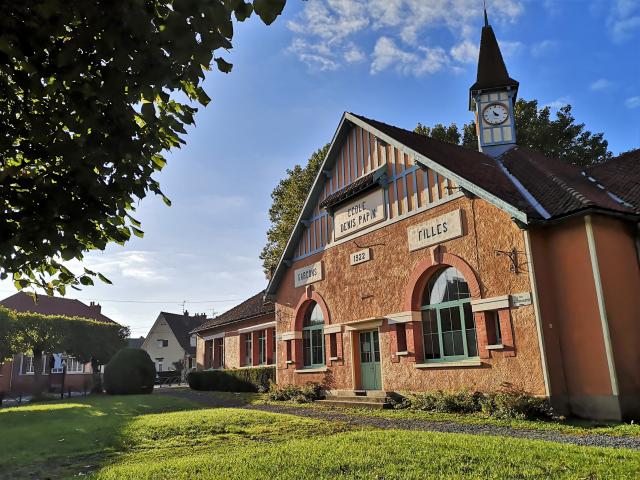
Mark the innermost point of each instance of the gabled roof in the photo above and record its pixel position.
(181, 326)
(46, 305)
(251, 308)
(492, 72)
(529, 186)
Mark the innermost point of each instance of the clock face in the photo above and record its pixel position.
(495, 113)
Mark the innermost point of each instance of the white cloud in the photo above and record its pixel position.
(329, 34)
(140, 265)
(465, 52)
(542, 48)
(558, 103)
(632, 102)
(600, 84)
(623, 19)
(386, 54)
(509, 49)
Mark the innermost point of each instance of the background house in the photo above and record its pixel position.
(169, 340)
(135, 342)
(18, 375)
(241, 337)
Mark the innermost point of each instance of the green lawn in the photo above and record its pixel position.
(161, 437)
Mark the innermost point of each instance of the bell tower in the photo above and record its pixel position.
(492, 97)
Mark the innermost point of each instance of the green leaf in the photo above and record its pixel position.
(137, 232)
(268, 10)
(104, 279)
(223, 65)
(84, 280)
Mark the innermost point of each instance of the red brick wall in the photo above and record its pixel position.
(384, 285)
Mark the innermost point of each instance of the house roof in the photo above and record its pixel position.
(621, 175)
(251, 308)
(135, 342)
(492, 72)
(181, 324)
(46, 305)
(563, 189)
(530, 187)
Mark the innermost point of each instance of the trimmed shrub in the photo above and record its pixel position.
(130, 371)
(240, 380)
(300, 394)
(505, 405)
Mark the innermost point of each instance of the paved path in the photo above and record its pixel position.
(227, 401)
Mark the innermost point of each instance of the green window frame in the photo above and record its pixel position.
(313, 338)
(448, 325)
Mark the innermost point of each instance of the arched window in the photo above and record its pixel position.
(447, 321)
(313, 336)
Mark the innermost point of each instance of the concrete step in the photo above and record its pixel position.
(350, 403)
(357, 399)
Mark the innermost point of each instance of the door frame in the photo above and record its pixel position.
(379, 362)
(354, 329)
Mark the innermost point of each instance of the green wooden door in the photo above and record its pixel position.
(370, 376)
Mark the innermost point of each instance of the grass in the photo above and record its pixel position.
(162, 437)
(33, 435)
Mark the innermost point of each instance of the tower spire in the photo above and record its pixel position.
(486, 19)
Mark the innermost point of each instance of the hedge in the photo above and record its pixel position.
(240, 380)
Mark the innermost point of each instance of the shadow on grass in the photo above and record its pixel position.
(62, 438)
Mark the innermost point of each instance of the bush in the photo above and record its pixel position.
(300, 394)
(516, 405)
(461, 402)
(130, 371)
(505, 405)
(241, 380)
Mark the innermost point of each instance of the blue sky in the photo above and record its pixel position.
(398, 61)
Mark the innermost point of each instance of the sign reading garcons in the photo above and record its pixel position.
(309, 274)
(364, 212)
(436, 230)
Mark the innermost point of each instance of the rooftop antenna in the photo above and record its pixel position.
(486, 19)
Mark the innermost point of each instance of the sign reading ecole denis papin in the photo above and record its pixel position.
(364, 212)
(436, 230)
(309, 274)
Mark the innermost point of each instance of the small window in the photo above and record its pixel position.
(313, 337)
(248, 349)
(74, 365)
(333, 345)
(401, 336)
(289, 354)
(218, 352)
(163, 343)
(492, 322)
(262, 347)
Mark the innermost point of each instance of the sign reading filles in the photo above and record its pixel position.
(436, 230)
(364, 212)
(309, 274)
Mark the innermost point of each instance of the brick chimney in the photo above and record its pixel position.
(95, 307)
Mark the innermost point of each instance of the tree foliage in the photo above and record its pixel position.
(288, 199)
(36, 334)
(560, 137)
(91, 96)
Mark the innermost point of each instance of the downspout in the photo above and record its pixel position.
(536, 310)
(601, 305)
